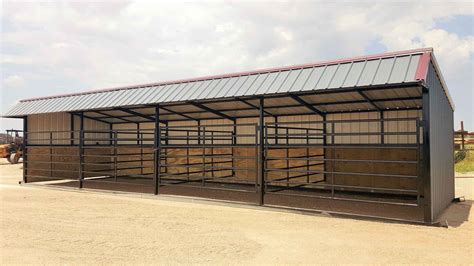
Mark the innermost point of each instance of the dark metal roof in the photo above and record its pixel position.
(374, 70)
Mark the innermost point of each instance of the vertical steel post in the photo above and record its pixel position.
(307, 156)
(157, 150)
(25, 149)
(234, 142)
(287, 164)
(261, 159)
(203, 156)
(51, 154)
(333, 157)
(187, 155)
(72, 130)
(462, 135)
(81, 150)
(115, 136)
(382, 128)
(325, 143)
(428, 213)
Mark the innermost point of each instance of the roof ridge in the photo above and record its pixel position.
(236, 74)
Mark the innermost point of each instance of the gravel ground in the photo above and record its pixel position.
(54, 226)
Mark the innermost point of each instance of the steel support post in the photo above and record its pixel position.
(72, 129)
(81, 150)
(25, 149)
(157, 150)
(234, 142)
(325, 143)
(261, 153)
(428, 213)
(382, 128)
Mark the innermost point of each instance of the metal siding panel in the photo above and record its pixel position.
(383, 71)
(368, 73)
(354, 74)
(441, 132)
(326, 77)
(340, 76)
(276, 84)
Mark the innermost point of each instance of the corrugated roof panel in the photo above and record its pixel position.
(143, 96)
(267, 83)
(246, 85)
(384, 71)
(314, 78)
(390, 68)
(411, 72)
(292, 76)
(218, 88)
(194, 86)
(123, 98)
(156, 94)
(354, 74)
(172, 91)
(115, 96)
(204, 93)
(340, 76)
(301, 80)
(369, 72)
(326, 78)
(183, 89)
(257, 83)
(227, 87)
(399, 69)
(276, 84)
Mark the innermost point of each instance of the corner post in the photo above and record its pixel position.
(25, 149)
(81, 150)
(261, 153)
(157, 150)
(426, 177)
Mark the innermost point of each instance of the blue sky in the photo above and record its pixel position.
(62, 47)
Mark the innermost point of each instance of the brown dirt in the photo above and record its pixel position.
(54, 226)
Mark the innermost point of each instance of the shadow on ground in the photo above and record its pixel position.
(457, 213)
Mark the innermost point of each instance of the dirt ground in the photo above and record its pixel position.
(53, 226)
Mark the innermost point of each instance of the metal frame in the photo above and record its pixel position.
(209, 140)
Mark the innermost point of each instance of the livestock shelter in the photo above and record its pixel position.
(369, 136)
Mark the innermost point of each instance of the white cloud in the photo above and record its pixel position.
(13, 82)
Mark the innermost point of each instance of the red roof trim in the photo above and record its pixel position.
(332, 62)
(422, 69)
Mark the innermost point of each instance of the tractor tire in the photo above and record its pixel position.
(14, 158)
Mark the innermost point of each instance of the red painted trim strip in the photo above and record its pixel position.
(422, 69)
(332, 62)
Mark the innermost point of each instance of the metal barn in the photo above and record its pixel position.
(369, 136)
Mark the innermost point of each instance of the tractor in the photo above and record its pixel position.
(12, 147)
